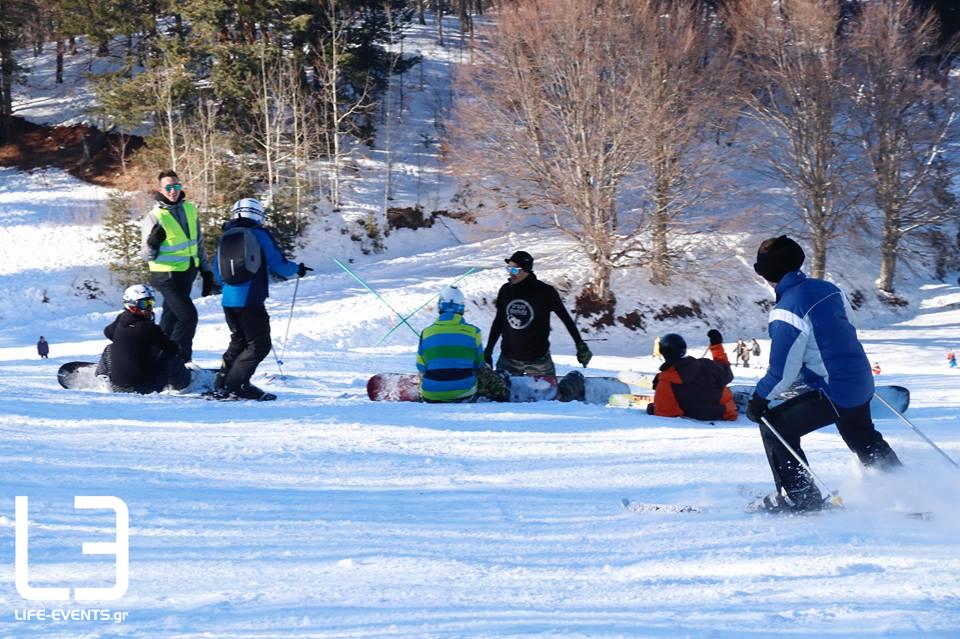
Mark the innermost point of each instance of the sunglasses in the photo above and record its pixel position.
(170, 188)
(513, 270)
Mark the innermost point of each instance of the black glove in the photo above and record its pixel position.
(302, 269)
(756, 407)
(583, 354)
(209, 284)
(715, 337)
(650, 408)
(488, 358)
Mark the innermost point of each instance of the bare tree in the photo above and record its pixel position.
(682, 71)
(903, 117)
(578, 95)
(338, 112)
(792, 52)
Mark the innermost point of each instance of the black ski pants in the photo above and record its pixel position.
(808, 412)
(249, 344)
(179, 318)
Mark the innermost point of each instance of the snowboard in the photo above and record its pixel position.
(404, 387)
(896, 396)
(83, 376)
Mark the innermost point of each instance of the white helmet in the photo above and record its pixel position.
(451, 300)
(138, 299)
(248, 208)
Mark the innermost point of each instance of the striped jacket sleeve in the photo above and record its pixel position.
(789, 334)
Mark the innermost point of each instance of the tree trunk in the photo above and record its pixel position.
(60, 51)
(889, 247)
(819, 267)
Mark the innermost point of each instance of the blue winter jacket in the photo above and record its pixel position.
(255, 291)
(812, 337)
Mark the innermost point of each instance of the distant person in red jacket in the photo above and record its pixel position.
(690, 387)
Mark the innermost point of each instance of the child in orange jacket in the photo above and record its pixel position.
(691, 387)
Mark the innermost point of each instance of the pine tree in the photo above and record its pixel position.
(120, 240)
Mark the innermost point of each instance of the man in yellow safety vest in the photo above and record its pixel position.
(172, 245)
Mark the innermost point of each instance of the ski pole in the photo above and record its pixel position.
(283, 349)
(834, 495)
(377, 295)
(279, 363)
(417, 310)
(915, 429)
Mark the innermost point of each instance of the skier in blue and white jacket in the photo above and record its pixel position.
(812, 338)
(243, 305)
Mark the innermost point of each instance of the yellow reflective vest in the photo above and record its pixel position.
(179, 249)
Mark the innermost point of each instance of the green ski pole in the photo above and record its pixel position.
(418, 309)
(377, 295)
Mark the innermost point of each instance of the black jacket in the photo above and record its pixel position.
(523, 318)
(137, 347)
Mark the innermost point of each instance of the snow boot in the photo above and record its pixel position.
(571, 387)
(249, 391)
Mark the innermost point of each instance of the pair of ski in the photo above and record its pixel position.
(755, 505)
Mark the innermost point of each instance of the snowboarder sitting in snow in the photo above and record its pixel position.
(141, 358)
(524, 305)
(689, 387)
(245, 252)
(450, 357)
(810, 336)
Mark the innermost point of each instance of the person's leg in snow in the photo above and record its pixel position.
(250, 328)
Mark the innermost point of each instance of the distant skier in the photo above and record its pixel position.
(43, 348)
(450, 357)
(172, 245)
(524, 305)
(811, 337)
(141, 358)
(656, 347)
(875, 369)
(738, 352)
(245, 252)
(755, 348)
(951, 360)
(689, 387)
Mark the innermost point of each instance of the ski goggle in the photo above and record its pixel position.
(145, 304)
(171, 188)
(513, 270)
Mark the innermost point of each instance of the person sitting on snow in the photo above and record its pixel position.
(450, 357)
(690, 387)
(141, 358)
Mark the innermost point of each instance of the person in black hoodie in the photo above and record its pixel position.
(141, 358)
(524, 305)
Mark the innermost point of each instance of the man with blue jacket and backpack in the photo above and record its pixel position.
(245, 252)
(811, 337)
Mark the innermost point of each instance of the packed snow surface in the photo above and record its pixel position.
(324, 514)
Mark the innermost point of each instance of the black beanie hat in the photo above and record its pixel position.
(522, 259)
(778, 256)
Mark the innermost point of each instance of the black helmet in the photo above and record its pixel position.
(672, 347)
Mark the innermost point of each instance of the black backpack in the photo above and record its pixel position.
(238, 255)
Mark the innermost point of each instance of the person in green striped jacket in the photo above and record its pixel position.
(450, 357)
